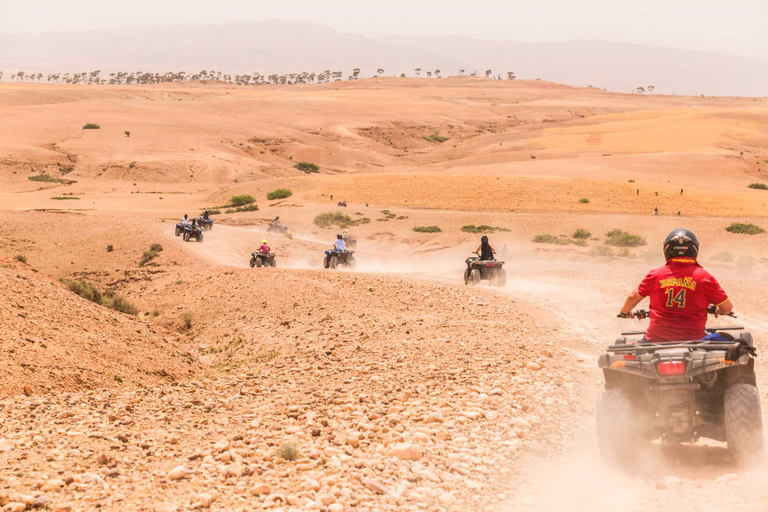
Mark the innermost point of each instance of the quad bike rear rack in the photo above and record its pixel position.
(653, 347)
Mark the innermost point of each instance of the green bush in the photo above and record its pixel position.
(482, 228)
(45, 179)
(581, 234)
(307, 167)
(279, 193)
(156, 247)
(584, 200)
(288, 451)
(147, 257)
(619, 238)
(119, 303)
(91, 126)
(110, 248)
(241, 200)
(759, 186)
(20, 257)
(186, 319)
(85, 289)
(65, 198)
(745, 228)
(328, 219)
(435, 138)
(549, 239)
(427, 229)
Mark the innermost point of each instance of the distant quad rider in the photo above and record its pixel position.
(680, 292)
(484, 250)
(206, 215)
(264, 249)
(339, 244)
(185, 220)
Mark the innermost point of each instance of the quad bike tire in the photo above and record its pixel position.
(326, 262)
(253, 262)
(334, 261)
(186, 237)
(615, 427)
(351, 263)
(476, 278)
(178, 231)
(467, 276)
(200, 237)
(273, 264)
(500, 278)
(743, 423)
(259, 262)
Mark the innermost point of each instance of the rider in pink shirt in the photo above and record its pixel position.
(264, 247)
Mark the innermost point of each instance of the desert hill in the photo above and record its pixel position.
(53, 339)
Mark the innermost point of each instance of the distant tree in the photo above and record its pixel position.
(429, 73)
(488, 73)
(461, 71)
(356, 73)
(20, 76)
(437, 73)
(1, 76)
(640, 90)
(402, 75)
(511, 75)
(651, 88)
(379, 71)
(417, 71)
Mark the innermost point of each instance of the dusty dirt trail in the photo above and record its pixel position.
(584, 297)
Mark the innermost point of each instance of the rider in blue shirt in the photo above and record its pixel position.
(339, 245)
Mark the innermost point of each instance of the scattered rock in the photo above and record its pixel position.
(375, 486)
(406, 451)
(178, 473)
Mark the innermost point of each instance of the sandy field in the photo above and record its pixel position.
(390, 386)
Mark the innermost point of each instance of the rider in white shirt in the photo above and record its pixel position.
(339, 245)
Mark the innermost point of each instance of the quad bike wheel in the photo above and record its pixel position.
(178, 230)
(615, 427)
(200, 237)
(259, 262)
(326, 262)
(253, 262)
(273, 263)
(351, 263)
(500, 278)
(334, 261)
(186, 237)
(467, 276)
(743, 422)
(476, 278)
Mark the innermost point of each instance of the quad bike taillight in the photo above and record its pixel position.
(671, 368)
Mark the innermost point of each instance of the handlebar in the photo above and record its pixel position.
(642, 314)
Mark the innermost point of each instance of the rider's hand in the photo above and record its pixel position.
(625, 315)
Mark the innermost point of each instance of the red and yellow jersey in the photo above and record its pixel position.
(680, 293)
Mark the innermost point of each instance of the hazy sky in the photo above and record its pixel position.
(734, 26)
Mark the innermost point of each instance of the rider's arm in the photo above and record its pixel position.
(724, 308)
(478, 248)
(631, 301)
(492, 249)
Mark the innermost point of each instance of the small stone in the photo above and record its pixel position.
(533, 365)
(64, 507)
(660, 486)
(447, 498)
(202, 500)
(221, 445)
(312, 484)
(406, 451)
(165, 506)
(14, 506)
(178, 473)
(336, 507)
(375, 486)
(353, 440)
(435, 417)
(41, 501)
(260, 489)
(316, 432)
(6, 445)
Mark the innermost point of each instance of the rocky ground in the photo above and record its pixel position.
(412, 396)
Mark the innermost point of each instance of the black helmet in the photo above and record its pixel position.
(338, 236)
(681, 243)
(484, 238)
(185, 215)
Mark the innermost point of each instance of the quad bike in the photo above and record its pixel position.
(679, 392)
(343, 204)
(490, 270)
(179, 228)
(336, 258)
(193, 232)
(276, 227)
(350, 242)
(206, 224)
(259, 259)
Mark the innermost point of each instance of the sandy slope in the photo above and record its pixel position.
(350, 365)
